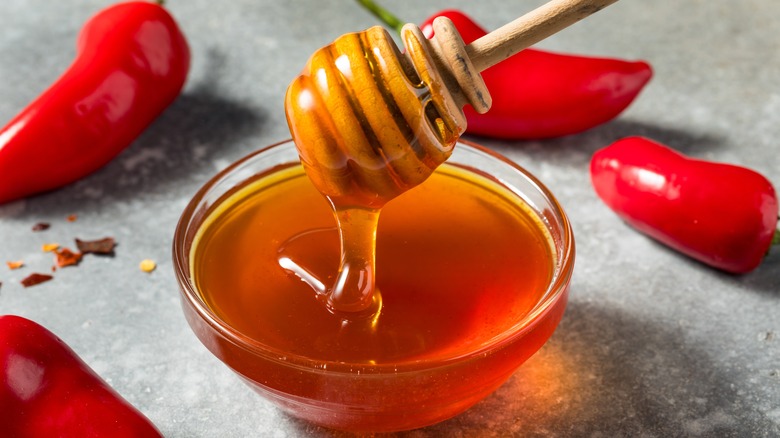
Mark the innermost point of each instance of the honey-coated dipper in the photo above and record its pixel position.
(370, 122)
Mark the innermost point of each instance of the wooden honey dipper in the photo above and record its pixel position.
(370, 122)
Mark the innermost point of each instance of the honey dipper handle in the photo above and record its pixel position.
(460, 65)
(530, 29)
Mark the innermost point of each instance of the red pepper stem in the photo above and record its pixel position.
(383, 14)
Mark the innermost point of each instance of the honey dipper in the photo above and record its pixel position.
(370, 122)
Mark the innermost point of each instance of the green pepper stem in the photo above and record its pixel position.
(776, 237)
(383, 14)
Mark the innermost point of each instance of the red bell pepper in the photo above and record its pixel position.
(720, 214)
(132, 61)
(46, 390)
(539, 94)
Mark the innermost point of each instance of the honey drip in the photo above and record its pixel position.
(356, 281)
(354, 289)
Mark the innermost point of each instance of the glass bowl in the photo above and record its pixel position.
(358, 396)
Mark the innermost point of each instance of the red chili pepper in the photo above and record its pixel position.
(132, 61)
(538, 94)
(720, 214)
(48, 391)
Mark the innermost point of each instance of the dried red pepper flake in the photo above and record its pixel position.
(41, 226)
(35, 278)
(66, 257)
(50, 247)
(71, 218)
(104, 246)
(15, 265)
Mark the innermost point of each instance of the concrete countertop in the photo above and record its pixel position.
(653, 344)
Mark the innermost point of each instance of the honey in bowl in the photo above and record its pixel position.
(459, 262)
(473, 267)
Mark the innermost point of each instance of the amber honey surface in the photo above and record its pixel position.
(458, 262)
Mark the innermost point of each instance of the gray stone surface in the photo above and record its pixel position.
(653, 344)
